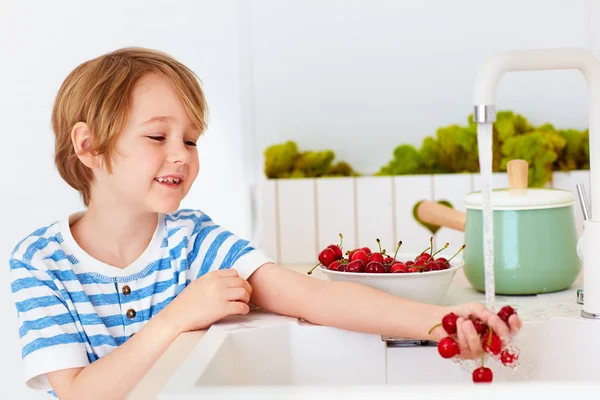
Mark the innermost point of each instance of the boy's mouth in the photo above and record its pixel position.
(169, 181)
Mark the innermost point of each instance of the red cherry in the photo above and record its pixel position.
(356, 266)
(505, 313)
(480, 327)
(327, 256)
(433, 266)
(398, 267)
(508, 358)
(491, 345)
(375, 267)
(441, 259)
(420, 263)
(337, 250)
(334, 265)
(376, 257)
(351, 252)
(366, 250)
(388, 260)
(449, 323)
(423, 257)
(409, 263)
(448, 348)
(360, 255)
(414, 269)
(482, 375)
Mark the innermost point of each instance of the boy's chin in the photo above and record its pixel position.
(166, 207)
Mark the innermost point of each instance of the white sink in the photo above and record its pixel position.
(283, 356)
(559, 349)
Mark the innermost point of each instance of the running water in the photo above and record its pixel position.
(484, 144)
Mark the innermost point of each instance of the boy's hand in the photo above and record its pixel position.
(468, 338)
(209, 299)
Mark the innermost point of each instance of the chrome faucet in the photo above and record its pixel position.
(485, 112)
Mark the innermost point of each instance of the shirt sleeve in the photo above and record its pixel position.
(49, 338)
(212, 247)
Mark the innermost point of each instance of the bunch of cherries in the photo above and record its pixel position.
(362, 259)
(492, 344)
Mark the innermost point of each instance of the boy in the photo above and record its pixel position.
(101, 294)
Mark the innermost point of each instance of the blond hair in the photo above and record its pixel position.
(98, 92)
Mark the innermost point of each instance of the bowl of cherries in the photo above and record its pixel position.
(420, 276)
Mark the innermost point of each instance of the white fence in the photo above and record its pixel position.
(299, 217)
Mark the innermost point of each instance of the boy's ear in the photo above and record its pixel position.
(81, 138)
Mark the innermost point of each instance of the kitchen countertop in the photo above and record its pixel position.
(530, 308)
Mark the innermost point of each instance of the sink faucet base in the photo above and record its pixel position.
(586, 314)
(588, 248)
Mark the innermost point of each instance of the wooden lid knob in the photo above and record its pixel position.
(518, 171)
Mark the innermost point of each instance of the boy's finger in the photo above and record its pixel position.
(238, 294)
(229, 272)
(498, 326)
(238, 307)
(515, 323)
(248, 287)
(462, 340)
(234, 282)
(472, 338)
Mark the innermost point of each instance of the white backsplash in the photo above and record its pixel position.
(299, 217)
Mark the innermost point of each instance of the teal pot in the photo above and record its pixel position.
(535, 241)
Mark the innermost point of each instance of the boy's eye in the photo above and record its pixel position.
(157, 138)
(190, 143)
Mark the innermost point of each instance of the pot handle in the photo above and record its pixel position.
(438, 214)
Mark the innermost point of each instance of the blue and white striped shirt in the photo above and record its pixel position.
(74, 309)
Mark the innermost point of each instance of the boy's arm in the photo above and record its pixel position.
(114, 375)
(360, 308)
(342, 305)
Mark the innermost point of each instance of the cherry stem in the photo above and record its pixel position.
(431, 244)
(490, 336)
(443, 248)
(397, 248)
(459, 250)
(341, 241)
(313, 268)
(435, 326)
(423, 252)
(379, 244)
(482, 359)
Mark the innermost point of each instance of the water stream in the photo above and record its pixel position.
(484, 143)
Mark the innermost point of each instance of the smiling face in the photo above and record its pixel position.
(156, 159)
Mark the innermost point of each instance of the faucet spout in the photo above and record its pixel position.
(484, 98)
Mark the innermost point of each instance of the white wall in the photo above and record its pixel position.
(359, 77)
(41, 44)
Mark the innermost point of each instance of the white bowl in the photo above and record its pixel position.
(427, 287)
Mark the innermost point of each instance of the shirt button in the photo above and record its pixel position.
(126, 290)
(131, 313)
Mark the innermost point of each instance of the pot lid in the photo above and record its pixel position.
(524, 199)
(518, 196)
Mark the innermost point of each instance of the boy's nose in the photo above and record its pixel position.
(178, 154)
